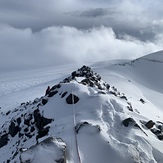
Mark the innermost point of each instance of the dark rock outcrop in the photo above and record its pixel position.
(41, 122)
(64, 94)
(13, 129)
(52, 93)
(82, 124)
(141, 100)
(4, 140)
(150, 124)
(42, 132)
(72, 99)
(129, 106)
(128, 121)
(160, 136)
(57, 86)
(157, 129)
(44, 101)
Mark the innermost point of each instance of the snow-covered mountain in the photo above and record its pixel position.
(111, 112)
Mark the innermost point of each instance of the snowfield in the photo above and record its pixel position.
(107, 112)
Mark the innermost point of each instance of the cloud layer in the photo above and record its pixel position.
(60, 45)
(71, 31)
(141, 19)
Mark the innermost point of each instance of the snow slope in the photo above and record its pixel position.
(144, 73)
(108, 122)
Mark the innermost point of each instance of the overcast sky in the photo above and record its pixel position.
(78, 31)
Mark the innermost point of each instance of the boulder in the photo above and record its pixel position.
(55, 87)
(52, 93)
(13, 129)
(141, 100)
(40, 120)
(3, 140)
(160, 136)
(128, 121)
(72, 99)
(156, 131)
(64, 94)
(42, 132)
(150, 124)
(123, 97)
(44, 101)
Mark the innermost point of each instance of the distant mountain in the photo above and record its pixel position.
(149, 70)
(155, 57)
(86, 119)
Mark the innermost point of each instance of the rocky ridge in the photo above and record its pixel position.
(27, 123)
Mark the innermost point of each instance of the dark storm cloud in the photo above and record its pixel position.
(97, 12)
(140, 18)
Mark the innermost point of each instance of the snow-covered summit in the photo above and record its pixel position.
(95, 120)
(155, 57)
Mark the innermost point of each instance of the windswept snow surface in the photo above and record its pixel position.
(22, 86)
(104, 138)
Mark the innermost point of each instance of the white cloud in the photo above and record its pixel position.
(60, 45)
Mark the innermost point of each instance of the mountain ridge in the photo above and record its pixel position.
(108, 122)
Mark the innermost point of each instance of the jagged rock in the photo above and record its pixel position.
(150, 124)
(82, 124)
(156, 131)
(32, 129)
(26, 129)
(107, 86)
(53, 148)
(79, 125)
(13, 129)
(42, 132)
(131, 121)
(141, 100)
(19, 120)
(72, 99)
(101, 92)
(114, 93)
(123, 97)
(160, 136)
(36, 100)
(8, 112)
(85, 81)
(128, 121)
(4, 140)
(129, 106)
(26, 122)
(56, 86)
(20, 134)
(28, 135)
(75, 74)
(64, 94)
(40, 120)
(52, 93)
(160, 127)
(23, 103)
(44, 101)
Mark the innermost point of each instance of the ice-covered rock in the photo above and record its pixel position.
(50, 150)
